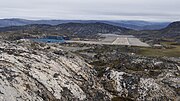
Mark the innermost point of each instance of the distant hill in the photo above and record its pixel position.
(173, 27)
(139, 25)
(68, 29)
(172, 30)
(131, 24)
(74, 28)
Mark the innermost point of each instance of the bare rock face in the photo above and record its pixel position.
(30, 71)
(159, 82)
(130, 77)
(47, 72)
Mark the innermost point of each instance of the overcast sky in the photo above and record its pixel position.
(150, 10)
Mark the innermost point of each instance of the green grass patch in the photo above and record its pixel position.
(170, 49)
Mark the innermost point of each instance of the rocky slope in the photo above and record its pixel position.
(132, 77)
(45, 73)
(49, 72)
(173, 30)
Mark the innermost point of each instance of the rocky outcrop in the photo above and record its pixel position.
(144, 79)
(30, 71)
(49, 72)
(132, 77)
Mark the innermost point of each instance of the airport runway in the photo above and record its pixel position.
(113, 39)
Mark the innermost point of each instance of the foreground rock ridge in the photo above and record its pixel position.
(45, 74)
(48, 72)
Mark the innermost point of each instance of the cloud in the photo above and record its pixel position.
(159, 10)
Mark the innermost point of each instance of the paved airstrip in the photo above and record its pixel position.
(113, 39)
